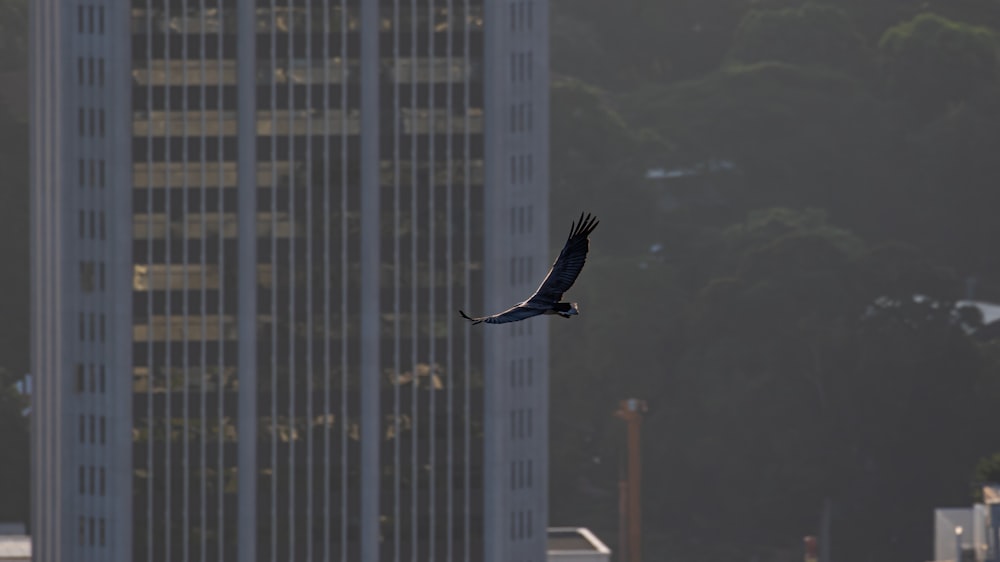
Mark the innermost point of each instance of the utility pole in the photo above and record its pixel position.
(631, 411)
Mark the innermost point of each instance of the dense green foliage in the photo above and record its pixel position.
(788, 304)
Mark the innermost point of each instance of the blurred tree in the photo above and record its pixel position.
(931, 61)
(597, 162)
(812, 33)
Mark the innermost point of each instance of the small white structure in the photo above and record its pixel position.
(954, 524)
(15, 544)
(576, 544)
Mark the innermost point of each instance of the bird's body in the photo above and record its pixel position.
(546, 299)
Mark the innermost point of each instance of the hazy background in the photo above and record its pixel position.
(776, 181)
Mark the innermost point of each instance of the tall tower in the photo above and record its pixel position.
(253, 223)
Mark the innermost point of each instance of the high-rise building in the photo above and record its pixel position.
(252, 226)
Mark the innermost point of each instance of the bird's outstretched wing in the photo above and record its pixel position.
(512, 314)
(568, 265)
(559, 279)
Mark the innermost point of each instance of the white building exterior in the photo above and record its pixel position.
(252, 226)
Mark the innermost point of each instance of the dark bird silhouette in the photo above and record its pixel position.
(564, 272)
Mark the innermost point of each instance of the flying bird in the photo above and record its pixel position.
(564, 272)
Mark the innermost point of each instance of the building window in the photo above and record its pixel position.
(101, 532)
(100, 276)
(101, 481)
(82, 122)
(513, 118)
(80, 375)
(90, 22)
(103, 430)
(83, 487)
(100, 72)
(513, 67)
(93, 378)
(93, 428)
(100, 216)
(513, 526)
(79, 70)
(93, 324)
(100, 20)
(87, 276)
(530, 64)
(83, 173)
(530, 533)
(90, 64)
(93, 480)
(83, 429)
(101, 166)
(83, 227)
(513, 170)
(83, 326)
(93, 226)
(79, 18)
(92, 529)
(83, 528)
(101, 378)
(529, 471)
(531, 10)
(513, 476)
(513, 17)
(530, 118)
(100, 123)
(530, 416)
(513, 424)
(93, 173)
(531, 365)
(103, 326)
(92, 122)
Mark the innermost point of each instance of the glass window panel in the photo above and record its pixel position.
(158, 277)
(157, 329)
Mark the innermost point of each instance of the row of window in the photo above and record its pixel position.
(85, 74)
(92, 225)
(89, 523)
(522, 15)
(98, 429)
(521, 117)
(318, 19)
(522, 371)
(521, 66)
(522, 169)
(96, 121)
(521, 423)
(91, 173)
(522, 270)
(521, 474)
(97, 378)
(521, 525)
(92, 327)
(96, 480)
(92, 276)
(522, 219)
(86, 20)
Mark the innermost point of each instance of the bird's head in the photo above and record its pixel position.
(574, 309)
